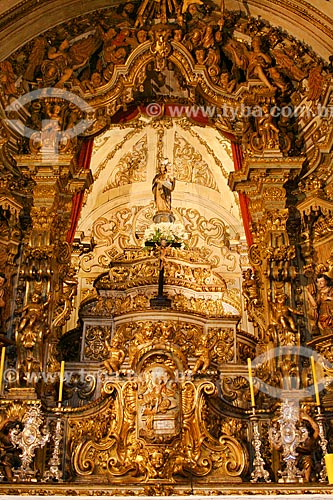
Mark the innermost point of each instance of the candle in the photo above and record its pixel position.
(2, 365)
(61, 380)
(315, 383)
(251, 382)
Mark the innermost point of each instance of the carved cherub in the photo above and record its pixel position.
(282, 315)
(205, 351)
(249, 288)
(116, 356)
(268, 132)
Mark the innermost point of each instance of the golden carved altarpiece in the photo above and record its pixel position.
(172, 413)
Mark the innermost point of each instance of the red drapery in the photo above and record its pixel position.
(83, 163)
(173, 110)
(243, 199)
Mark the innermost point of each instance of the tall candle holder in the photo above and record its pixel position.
(54, 472)
(285, 435)
(320, 419)
(259, 471)
(28, 440)
(323, 444)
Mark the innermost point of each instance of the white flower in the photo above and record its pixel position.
(169, 231)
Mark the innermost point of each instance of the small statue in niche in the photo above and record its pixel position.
(250, 288)
(267, 134)
(2, 297)
(322, 303)
(116, 356)
(306, 449)
(204, 351)
(282, 316)
(8, 455)
(30, 333)
(163, 185)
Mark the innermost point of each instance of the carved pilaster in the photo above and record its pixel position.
(10, 239)
(48, 281)
(263, 181)
(316, 211)
(50, 194)
(10, 232)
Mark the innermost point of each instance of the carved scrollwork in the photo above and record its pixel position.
(131, 167)
(190, 166)
(255, 255)
(234, 457)
(136, 430)
(235, 390)
(96, 338)
(91, 440)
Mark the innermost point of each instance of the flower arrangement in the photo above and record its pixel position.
(173, 232)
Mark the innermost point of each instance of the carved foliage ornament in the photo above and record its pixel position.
(165, 439)
(273, 62)
(95, 348)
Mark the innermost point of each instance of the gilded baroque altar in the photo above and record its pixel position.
(126, 364)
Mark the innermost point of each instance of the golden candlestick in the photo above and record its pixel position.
(2, 365)
(315, 383)
(61, 381)
(251, 382)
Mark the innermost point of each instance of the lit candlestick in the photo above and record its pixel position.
(251, 382)
(61, 380)
(2, 366)
(315, 383)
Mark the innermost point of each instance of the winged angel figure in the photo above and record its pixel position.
(316, 77)
(276, 68)
(57, 63)
(287, 64)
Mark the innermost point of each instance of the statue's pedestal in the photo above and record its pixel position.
(163, 217)
(26, 393)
